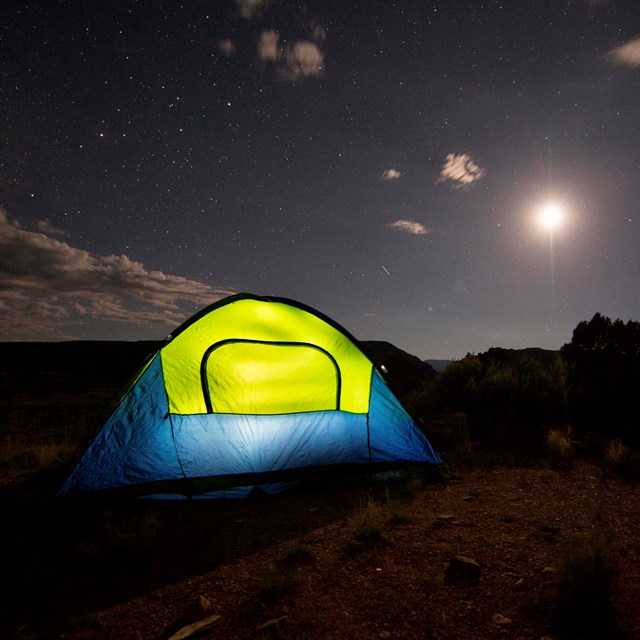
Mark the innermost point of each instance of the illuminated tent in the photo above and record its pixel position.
(249, 392)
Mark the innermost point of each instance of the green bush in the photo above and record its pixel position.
(494, 390)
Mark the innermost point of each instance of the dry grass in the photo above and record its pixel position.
(555, 559)
(560, 442)
(585, 577)
(19, 455)
(618, 456)
(368, 520)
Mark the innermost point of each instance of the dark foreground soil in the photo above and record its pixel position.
(354, 561)
(555, 551)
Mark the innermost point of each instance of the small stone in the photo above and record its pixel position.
(384, 634)
(499, 619)
(197, 610)
(462, 571)
(549, 570)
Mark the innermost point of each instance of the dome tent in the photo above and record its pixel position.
(250, 391)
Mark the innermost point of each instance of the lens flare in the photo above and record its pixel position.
(551, 215)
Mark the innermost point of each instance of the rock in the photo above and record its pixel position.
(443, 520)
(196, 627)
(548, 570)
(274, 622)
(446, 517)
(462, 572)
(384, 634)
(499, 619)
(197, 610)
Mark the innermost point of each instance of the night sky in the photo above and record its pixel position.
(382, 162)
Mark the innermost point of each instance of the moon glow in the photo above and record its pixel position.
(551, 215)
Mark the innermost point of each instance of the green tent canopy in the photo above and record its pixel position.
(251, 391)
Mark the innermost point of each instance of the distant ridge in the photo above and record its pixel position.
(438, 365)
(48, 366)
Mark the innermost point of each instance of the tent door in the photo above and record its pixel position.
(257, 377)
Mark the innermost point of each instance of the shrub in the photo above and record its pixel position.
(299, 555)
(585, 576)
(18, 454)
(367, 522)
(276, 583)
(618, 456)
(560, 442)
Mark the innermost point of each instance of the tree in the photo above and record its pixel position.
(519, 391)
(603, 376)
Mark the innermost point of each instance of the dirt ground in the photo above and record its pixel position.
(355, 562)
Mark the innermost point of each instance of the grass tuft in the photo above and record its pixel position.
(368, 521)
(560, 442)
(618, 457)
(275, 583)
(299, 555)
(585, 576)
(17, 454)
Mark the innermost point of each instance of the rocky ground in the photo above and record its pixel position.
(522, 553)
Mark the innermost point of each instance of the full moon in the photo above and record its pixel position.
(551, 215)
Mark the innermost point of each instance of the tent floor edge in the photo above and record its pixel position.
(192, 488)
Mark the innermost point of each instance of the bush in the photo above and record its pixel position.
(497, 389)
(299, 555)
(560, 442)
(585, 576)
(17, 454)
(367, 522)
(618, 456)
(275, 583)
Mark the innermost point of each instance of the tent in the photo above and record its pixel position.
(251, 391)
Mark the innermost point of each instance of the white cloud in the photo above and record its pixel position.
(627, 54)
(268, 48)
(460, 170)
(48, 286)
(248, 9)
(46, 227)
(319, 33)
(391, 174)
(226, 46)
(409, 227)
(301, 59)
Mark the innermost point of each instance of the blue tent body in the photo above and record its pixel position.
(250, 392)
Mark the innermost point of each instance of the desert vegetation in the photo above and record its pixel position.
(577, 400)
(527, 531)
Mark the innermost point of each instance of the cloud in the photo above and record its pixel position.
(391, 174)
(49, 287)
(46, 227)
(268, 48)
(226, 46)
(460, 171)
(301, 59)
(409, 227)
(318, 32)
(248, 9)
(627, 54)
